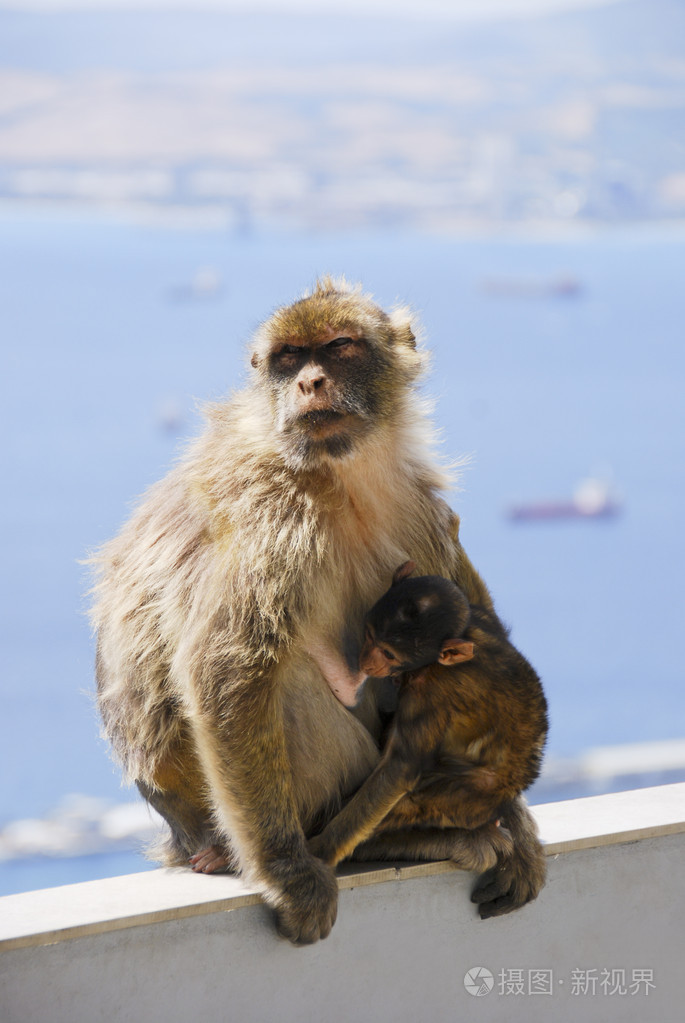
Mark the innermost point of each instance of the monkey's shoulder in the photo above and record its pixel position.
(497, 694)
(486, 623)
(497, 659)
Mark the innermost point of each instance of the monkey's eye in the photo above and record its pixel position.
(340, 342)
(287, 358)
(388, 654)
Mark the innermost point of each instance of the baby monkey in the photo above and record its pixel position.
(467, 736)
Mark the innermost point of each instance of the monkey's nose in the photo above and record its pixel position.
(374, 664)
(311, 382)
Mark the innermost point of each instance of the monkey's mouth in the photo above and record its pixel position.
(322, 415)
(322, 421)
(325, 431)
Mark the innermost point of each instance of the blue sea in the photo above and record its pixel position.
(115, 329)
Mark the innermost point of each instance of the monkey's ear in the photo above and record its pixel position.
(401, 325)
(454, 651)
(402, 572)
(254, 361)
(406, 336)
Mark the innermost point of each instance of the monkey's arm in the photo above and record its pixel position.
(239, 730)
(393, 777)
(463, 572)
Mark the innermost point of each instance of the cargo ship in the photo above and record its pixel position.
(592, 499)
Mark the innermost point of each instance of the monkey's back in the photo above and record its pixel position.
(491, 710)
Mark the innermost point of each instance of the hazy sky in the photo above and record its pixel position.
(452, 9)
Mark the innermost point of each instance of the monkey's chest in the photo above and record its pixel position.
(379, 519)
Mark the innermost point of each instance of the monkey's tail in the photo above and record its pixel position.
(519, 875)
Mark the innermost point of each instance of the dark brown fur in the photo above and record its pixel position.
(468, 734)
(230, 607)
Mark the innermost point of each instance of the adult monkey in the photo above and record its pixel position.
(231, 606)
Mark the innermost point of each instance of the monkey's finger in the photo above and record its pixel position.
(500, 906)
(306, 933)
(207, 861)
(491, 884)
(218, 863)
(296, 935)
(494, 884)
(200, 866)
(199, 860)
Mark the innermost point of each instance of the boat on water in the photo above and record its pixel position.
(565, 287)
(592, 499)
(206, 284)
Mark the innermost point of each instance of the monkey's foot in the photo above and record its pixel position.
(210, 860)
(496, 893)
(505, 888)
(518, 876)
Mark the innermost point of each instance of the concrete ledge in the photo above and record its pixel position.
(611, 819)
(170, 945)
(96, 907)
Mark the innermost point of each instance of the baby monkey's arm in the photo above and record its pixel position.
(392, 778)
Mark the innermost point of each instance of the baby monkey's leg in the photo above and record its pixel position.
(476, 849)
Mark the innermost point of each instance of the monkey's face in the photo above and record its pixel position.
(334, 366)
(391, 649)
(378, 658)
(407, 628)
(326, 390)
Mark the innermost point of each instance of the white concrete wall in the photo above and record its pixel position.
(172, 946)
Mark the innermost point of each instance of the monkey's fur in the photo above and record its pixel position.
(264, 545)
(469, 730)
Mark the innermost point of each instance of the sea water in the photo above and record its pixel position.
(115, 329)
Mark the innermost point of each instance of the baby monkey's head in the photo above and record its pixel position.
(418, 622)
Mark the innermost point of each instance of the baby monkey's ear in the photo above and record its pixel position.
(454, 651)
(402, 572)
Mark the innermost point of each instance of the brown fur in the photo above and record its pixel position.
(467, 737)
(271, 537)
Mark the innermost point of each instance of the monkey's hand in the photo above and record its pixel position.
(502, 889)
(518, 876)
(306, 900)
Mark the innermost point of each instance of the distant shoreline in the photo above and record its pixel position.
(439, 10)
(217, 217)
